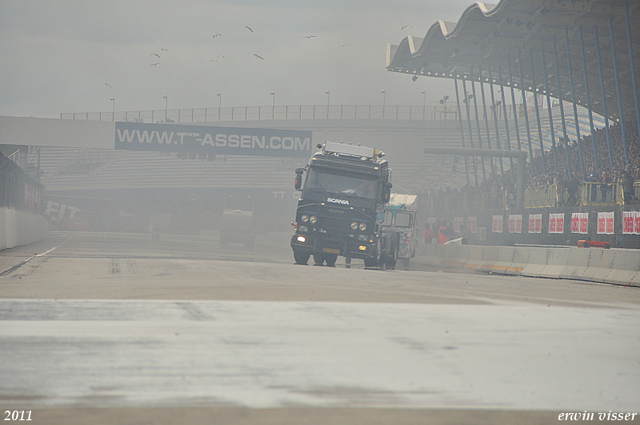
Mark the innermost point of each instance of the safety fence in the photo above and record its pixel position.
(431, 112)
(588, 194)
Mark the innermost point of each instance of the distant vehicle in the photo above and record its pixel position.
(345, 189)
(238, 222)
(400, 222)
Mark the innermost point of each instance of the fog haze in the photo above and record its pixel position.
(74, 56)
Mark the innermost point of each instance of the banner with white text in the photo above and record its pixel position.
(201, 139)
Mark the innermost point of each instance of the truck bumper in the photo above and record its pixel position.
(315, 245)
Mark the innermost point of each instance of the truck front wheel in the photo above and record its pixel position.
(301, 257)
(331, 259)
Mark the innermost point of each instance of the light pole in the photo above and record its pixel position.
(220, 105)
(113, 100)
(273, 107)
(384, 101)
(166, 106)
(328, 93)
(443, 101)
(424, 105)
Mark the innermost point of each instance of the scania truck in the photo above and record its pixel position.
(345, 188)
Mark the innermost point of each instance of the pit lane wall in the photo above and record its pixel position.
(21, 219)
(615, 266)
(21, 228)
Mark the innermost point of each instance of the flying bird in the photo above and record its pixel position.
(155, 64)
(258, 56)
(248, 27)
(164, 50)
(309, 36)
(107, 84)
(155, 54)
(345, 45)
(222, 56)
(216, 35)
(406, 26)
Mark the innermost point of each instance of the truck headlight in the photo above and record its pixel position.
(354, 225)
(313, 219)
(302, 239)
(304, 218)
(363, 227)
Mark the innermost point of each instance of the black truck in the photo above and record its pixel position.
(345, 188)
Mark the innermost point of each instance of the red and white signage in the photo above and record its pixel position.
(458, 224)
(535, 223)
(497, 224)
(556, 223)
(631, 222)
(606, 223)
(580, 223)
(472, 224)
(515, 223)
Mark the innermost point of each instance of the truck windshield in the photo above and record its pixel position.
(403, 219)
(335, 183)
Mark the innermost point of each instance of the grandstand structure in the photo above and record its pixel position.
(570, 61)
(577, 51)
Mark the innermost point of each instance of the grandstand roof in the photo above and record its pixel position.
(489, 36)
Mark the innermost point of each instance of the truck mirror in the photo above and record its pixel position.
(298, 181)
(386, 195)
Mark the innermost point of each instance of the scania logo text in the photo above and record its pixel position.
(338, 201)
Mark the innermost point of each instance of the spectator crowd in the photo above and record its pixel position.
(495, 186)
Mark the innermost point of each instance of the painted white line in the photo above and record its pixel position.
(23, 262)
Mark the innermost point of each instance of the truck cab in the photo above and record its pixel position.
(345, 187)
(400, 223)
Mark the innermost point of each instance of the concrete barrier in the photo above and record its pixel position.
(625, 268)
(618, 266)
(21, 228)
(556, 261)
(536, 262)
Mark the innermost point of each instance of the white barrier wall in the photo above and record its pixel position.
(20, 228)
(619, 266)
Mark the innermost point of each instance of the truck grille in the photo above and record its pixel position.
(335, 226)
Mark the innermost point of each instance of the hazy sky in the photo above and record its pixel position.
(75, 55)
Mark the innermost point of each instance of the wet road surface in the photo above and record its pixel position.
(101, 324)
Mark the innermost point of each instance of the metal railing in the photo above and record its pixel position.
(432, 112)
(589, 194)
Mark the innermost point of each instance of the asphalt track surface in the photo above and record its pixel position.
(120, 329)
